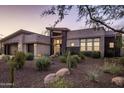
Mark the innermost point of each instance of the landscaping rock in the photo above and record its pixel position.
(119, 81)
(62, 72)
(50, 78)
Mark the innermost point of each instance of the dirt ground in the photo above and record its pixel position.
(29, 77)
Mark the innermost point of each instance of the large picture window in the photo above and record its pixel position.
(90, 44)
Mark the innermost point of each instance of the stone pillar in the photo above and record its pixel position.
(35, 50)
(102, 46)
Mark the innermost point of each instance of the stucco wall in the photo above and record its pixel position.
(75, 41)
(43, 49)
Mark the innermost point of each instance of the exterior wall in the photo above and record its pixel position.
(75, 41)
(43, 49)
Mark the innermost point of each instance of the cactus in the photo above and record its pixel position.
(68, 61)
(11, 71)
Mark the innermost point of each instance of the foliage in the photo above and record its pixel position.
(43, 63)
(93, 54)
(5, 58)
(19, 59)
(96, 54)
(95, 15)
(112, 68)
(93, 75)
(62, 59)
(81, 55)
(60, 83)
(121, 60)
(77, 58)
(29, 56)
(110, 53)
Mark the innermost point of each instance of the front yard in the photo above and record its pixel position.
(30, 77)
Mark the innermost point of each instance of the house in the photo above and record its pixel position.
(26, 41)
(64, 39)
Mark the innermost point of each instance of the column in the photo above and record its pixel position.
(35, 50)
(20, 47)
(102, 46)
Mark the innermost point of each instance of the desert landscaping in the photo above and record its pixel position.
(86, 73)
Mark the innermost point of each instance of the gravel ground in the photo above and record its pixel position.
(29, 77)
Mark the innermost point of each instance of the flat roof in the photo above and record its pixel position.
(57, 29)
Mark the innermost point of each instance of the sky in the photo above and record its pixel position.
(27, 17)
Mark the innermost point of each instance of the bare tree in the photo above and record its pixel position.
(100, 15)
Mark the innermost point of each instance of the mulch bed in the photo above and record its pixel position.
(29, 77)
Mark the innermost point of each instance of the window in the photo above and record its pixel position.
(89, 44)
(111, 45)
(96, 44)
(72, 44)
(83, 45)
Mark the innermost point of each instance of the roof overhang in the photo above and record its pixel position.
(57, 29)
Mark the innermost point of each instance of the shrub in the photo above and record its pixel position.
(121, 60)
(5, 58)
(94, 74)
(61, 83)
(77, 58)
(73, 62)
(93, 54)
(81, 55)
(62, 59)
(19, 59)
(96, 54)
(43, 63)
(29, 56)
(112, 68)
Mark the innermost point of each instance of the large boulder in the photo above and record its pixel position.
(119, 81)
(62, 72)
(50, 78)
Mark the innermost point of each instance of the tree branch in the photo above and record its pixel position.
(102, 23)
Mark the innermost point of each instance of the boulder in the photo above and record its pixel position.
(62, 72)
(119, 81)
(50, 78)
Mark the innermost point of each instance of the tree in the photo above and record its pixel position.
(98, 15)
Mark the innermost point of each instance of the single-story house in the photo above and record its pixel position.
(26, 41)
(64, 39)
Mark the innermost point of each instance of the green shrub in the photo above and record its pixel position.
(61, 83)
(78, 59)
(81, 55)
(93, 75)
(19, 59)
(73, 62)
(43, 63)
(6, 58)
(112, 68)
(96, 54)
(121, 60)
(29, 56)
(93, 54)
(62, 59)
